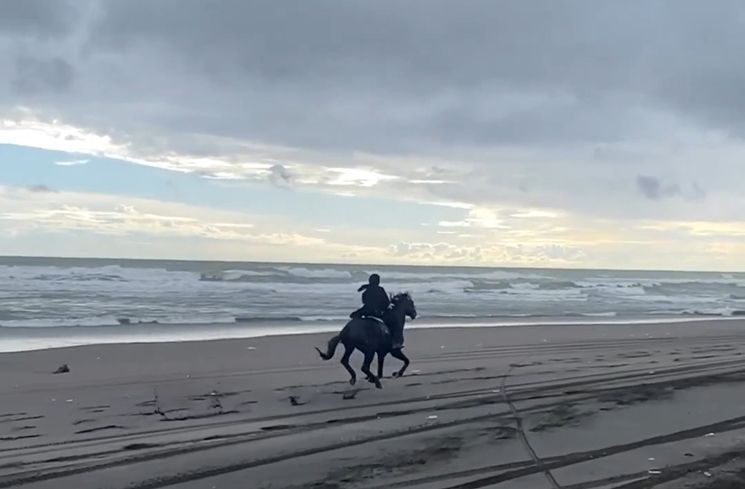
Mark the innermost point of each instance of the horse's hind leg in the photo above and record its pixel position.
(400, 355)
(345, 361)
(369, 355)
(381, 358)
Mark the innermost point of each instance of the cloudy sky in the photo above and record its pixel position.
(515, 132)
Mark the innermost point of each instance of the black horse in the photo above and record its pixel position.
(371, 337)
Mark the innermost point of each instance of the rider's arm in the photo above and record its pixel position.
(385, 299)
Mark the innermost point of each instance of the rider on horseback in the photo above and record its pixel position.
(375, 302)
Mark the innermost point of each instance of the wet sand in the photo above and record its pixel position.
(580, 407)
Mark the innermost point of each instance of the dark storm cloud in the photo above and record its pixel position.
(549, 103)
(388, 75)
(652, 188)
(655, 189)
(42, 75)
(36, 18)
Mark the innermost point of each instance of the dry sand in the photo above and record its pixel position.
(580, 407)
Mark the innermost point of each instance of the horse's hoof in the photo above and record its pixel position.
(378, 385)
(352, 381)
(396, 374)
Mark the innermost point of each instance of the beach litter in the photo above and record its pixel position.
(62, 369)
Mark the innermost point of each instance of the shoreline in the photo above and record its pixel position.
(26, 339)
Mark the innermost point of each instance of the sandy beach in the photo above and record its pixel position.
(603, 406)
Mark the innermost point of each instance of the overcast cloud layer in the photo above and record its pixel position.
(595, 116)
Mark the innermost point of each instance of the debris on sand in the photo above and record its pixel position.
(215, 402)
(63, 369)
(295, 401)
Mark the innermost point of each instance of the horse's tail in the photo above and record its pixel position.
(333, 343)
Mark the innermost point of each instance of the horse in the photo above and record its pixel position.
(371, 337)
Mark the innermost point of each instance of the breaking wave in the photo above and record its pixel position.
(54, 292)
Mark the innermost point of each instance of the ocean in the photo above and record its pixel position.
(143, 299)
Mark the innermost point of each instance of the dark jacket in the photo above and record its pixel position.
(375, 298)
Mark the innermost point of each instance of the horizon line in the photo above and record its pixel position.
(357, 264)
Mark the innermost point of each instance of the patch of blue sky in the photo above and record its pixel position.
(24, 166)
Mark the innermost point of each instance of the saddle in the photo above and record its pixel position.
(374, 318)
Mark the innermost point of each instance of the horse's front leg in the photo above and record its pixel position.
(381, 359)
(400, 355)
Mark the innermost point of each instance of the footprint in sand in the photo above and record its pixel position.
(11, 415)
(95, 409)
(100, 428)
(17, 419)
(16, 438)
(140, 446)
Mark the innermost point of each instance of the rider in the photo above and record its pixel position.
(375, 303)
(375, 300)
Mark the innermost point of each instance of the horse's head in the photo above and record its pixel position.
(403, 300)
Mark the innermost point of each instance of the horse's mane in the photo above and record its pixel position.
(400, 296)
